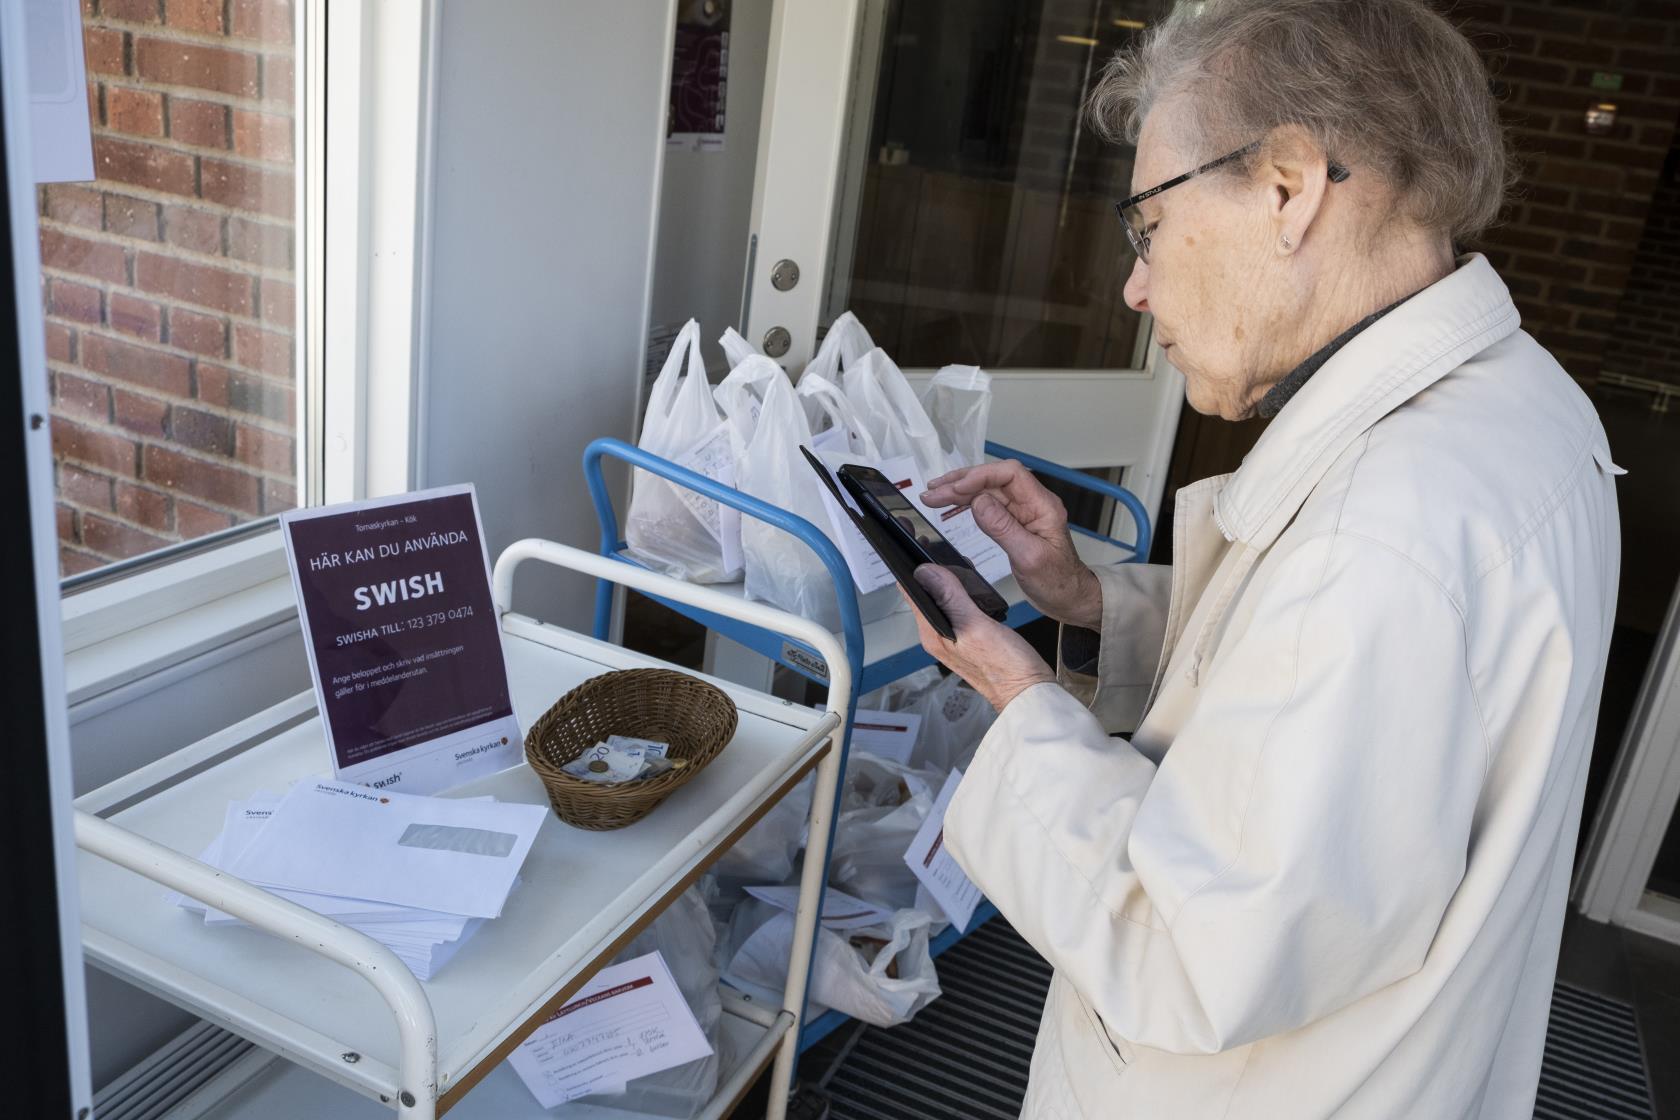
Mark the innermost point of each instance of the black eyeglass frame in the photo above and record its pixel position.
(1140, 240)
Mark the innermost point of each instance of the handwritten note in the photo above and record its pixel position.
(714, 457)
(630, 1020)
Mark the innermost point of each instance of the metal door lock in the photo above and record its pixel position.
(784, 276)
(777, 341)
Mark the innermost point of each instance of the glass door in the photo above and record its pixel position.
(944, 186)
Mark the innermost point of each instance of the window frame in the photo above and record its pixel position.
(1639, 803)
(365, 161)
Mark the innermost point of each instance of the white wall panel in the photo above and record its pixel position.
(550, 132)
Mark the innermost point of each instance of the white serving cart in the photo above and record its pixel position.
(345, 1030)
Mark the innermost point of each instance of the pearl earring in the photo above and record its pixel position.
(1287, 244)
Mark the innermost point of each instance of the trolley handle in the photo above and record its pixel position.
(851, 620)
(1139, 548)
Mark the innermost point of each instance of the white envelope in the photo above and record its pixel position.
(432, 853)
(245, 819)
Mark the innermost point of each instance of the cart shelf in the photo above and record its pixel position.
(272, 1089)
(583, 894)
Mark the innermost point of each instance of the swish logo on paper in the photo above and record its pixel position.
(399, 590)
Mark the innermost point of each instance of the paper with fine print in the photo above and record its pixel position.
(404, 644)
(869, 571)
(840, 910)
(886, 734)
(930, 861)
(630, 1020)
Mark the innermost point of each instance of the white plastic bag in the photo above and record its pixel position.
(842, 347)
(954, 720)
(959, 402)
(881, 809)
(903, 694)
(768, 851)
(850, 971)
(835, 425)
(780, 568)
(891, 414)
(685, 937)
(670, 528)
(740, 395)
(736, 348)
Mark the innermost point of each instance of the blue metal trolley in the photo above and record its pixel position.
(883, 651)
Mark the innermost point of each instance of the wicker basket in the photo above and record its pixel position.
(695, 718)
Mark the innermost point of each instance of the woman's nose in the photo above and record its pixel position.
(1137, 286)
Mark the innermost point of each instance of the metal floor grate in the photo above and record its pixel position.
(1594, 1068)
(969, 1049)
(965, 1056)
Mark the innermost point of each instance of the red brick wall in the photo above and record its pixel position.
(169, 281)
(1646, 339)
(1568, 243)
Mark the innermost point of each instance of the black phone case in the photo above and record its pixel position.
(899, 562)
(874, 513)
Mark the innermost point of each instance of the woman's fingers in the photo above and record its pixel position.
(961, 487)
(998, 522)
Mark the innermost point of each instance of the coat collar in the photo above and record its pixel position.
(1380, 369)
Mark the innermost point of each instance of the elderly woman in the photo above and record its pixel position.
(1326, 874)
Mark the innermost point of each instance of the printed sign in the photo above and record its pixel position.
(699, 77)
(403, 641)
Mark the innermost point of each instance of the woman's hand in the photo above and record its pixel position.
(1030, 524)
(997, 662)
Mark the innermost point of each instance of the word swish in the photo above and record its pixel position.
(398, 590)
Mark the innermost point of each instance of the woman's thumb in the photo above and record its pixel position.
(945, 590)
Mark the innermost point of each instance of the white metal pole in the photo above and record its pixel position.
(416, 1096)
(811, 879)
(828, 771)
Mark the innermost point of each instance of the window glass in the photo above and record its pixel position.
(170, 280)
(982, 226)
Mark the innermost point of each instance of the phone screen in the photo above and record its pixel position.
(928, 540)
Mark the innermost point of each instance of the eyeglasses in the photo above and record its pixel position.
(1132, 217)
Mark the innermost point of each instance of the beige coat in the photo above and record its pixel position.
(1327, 874)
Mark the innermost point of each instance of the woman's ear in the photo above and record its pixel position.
(1295, 172)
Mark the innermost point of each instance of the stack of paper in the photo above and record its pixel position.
(420, 875)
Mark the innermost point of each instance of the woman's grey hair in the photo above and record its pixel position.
(1383, 86)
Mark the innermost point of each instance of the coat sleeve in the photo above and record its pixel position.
(1300, 841)
(1111, 672)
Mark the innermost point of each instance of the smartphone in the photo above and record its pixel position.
(901, 561)
(881, 499)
